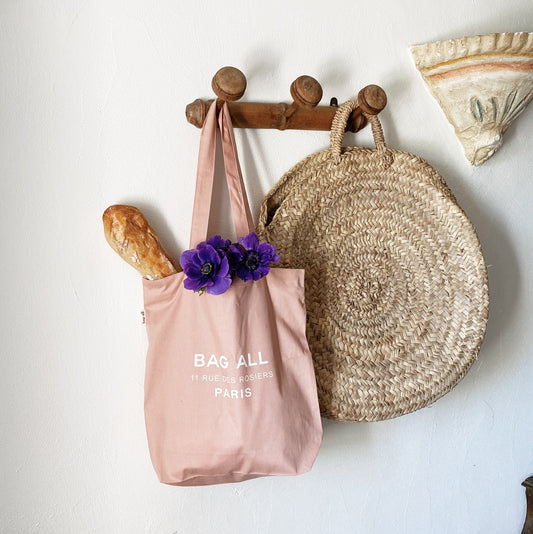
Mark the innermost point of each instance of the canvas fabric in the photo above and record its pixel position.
(230, 390)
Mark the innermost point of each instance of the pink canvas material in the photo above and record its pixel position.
(230, 391)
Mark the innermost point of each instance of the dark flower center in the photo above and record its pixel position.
(207, 268)
(252, 260)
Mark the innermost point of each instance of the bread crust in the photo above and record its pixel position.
(134, 240)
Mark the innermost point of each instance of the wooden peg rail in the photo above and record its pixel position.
(303, 113)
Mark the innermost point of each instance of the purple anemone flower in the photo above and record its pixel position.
(206, 270)
(223, 247)
(218, 243)
(254, 257)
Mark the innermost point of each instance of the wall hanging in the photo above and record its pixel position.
(396, 284)
(482, 83)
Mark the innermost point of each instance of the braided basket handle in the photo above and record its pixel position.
(338, 127)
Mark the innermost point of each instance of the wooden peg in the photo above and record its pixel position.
(229, 84)
(306, 93)
(372, 99)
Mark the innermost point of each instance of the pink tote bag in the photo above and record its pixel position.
(230, 391)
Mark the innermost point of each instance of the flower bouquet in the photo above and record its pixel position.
(212, 265)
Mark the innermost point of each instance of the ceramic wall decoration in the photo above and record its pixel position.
(482, 84)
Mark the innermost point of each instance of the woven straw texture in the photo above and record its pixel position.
(396, 284)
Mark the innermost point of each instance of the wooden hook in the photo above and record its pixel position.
(229, 84)
(304, 113)
(306, 92)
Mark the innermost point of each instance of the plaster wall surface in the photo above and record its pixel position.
(92, 100)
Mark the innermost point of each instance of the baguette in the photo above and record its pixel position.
(134, 240)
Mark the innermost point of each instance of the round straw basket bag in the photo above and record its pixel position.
(396, 284)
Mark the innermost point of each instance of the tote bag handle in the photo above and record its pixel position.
(338, 127)
(242, 217)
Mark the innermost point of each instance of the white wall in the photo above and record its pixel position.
(92, 100)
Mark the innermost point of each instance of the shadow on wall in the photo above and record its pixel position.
(505, 278)
(165, 234)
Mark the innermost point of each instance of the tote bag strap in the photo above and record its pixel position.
(240, 208)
